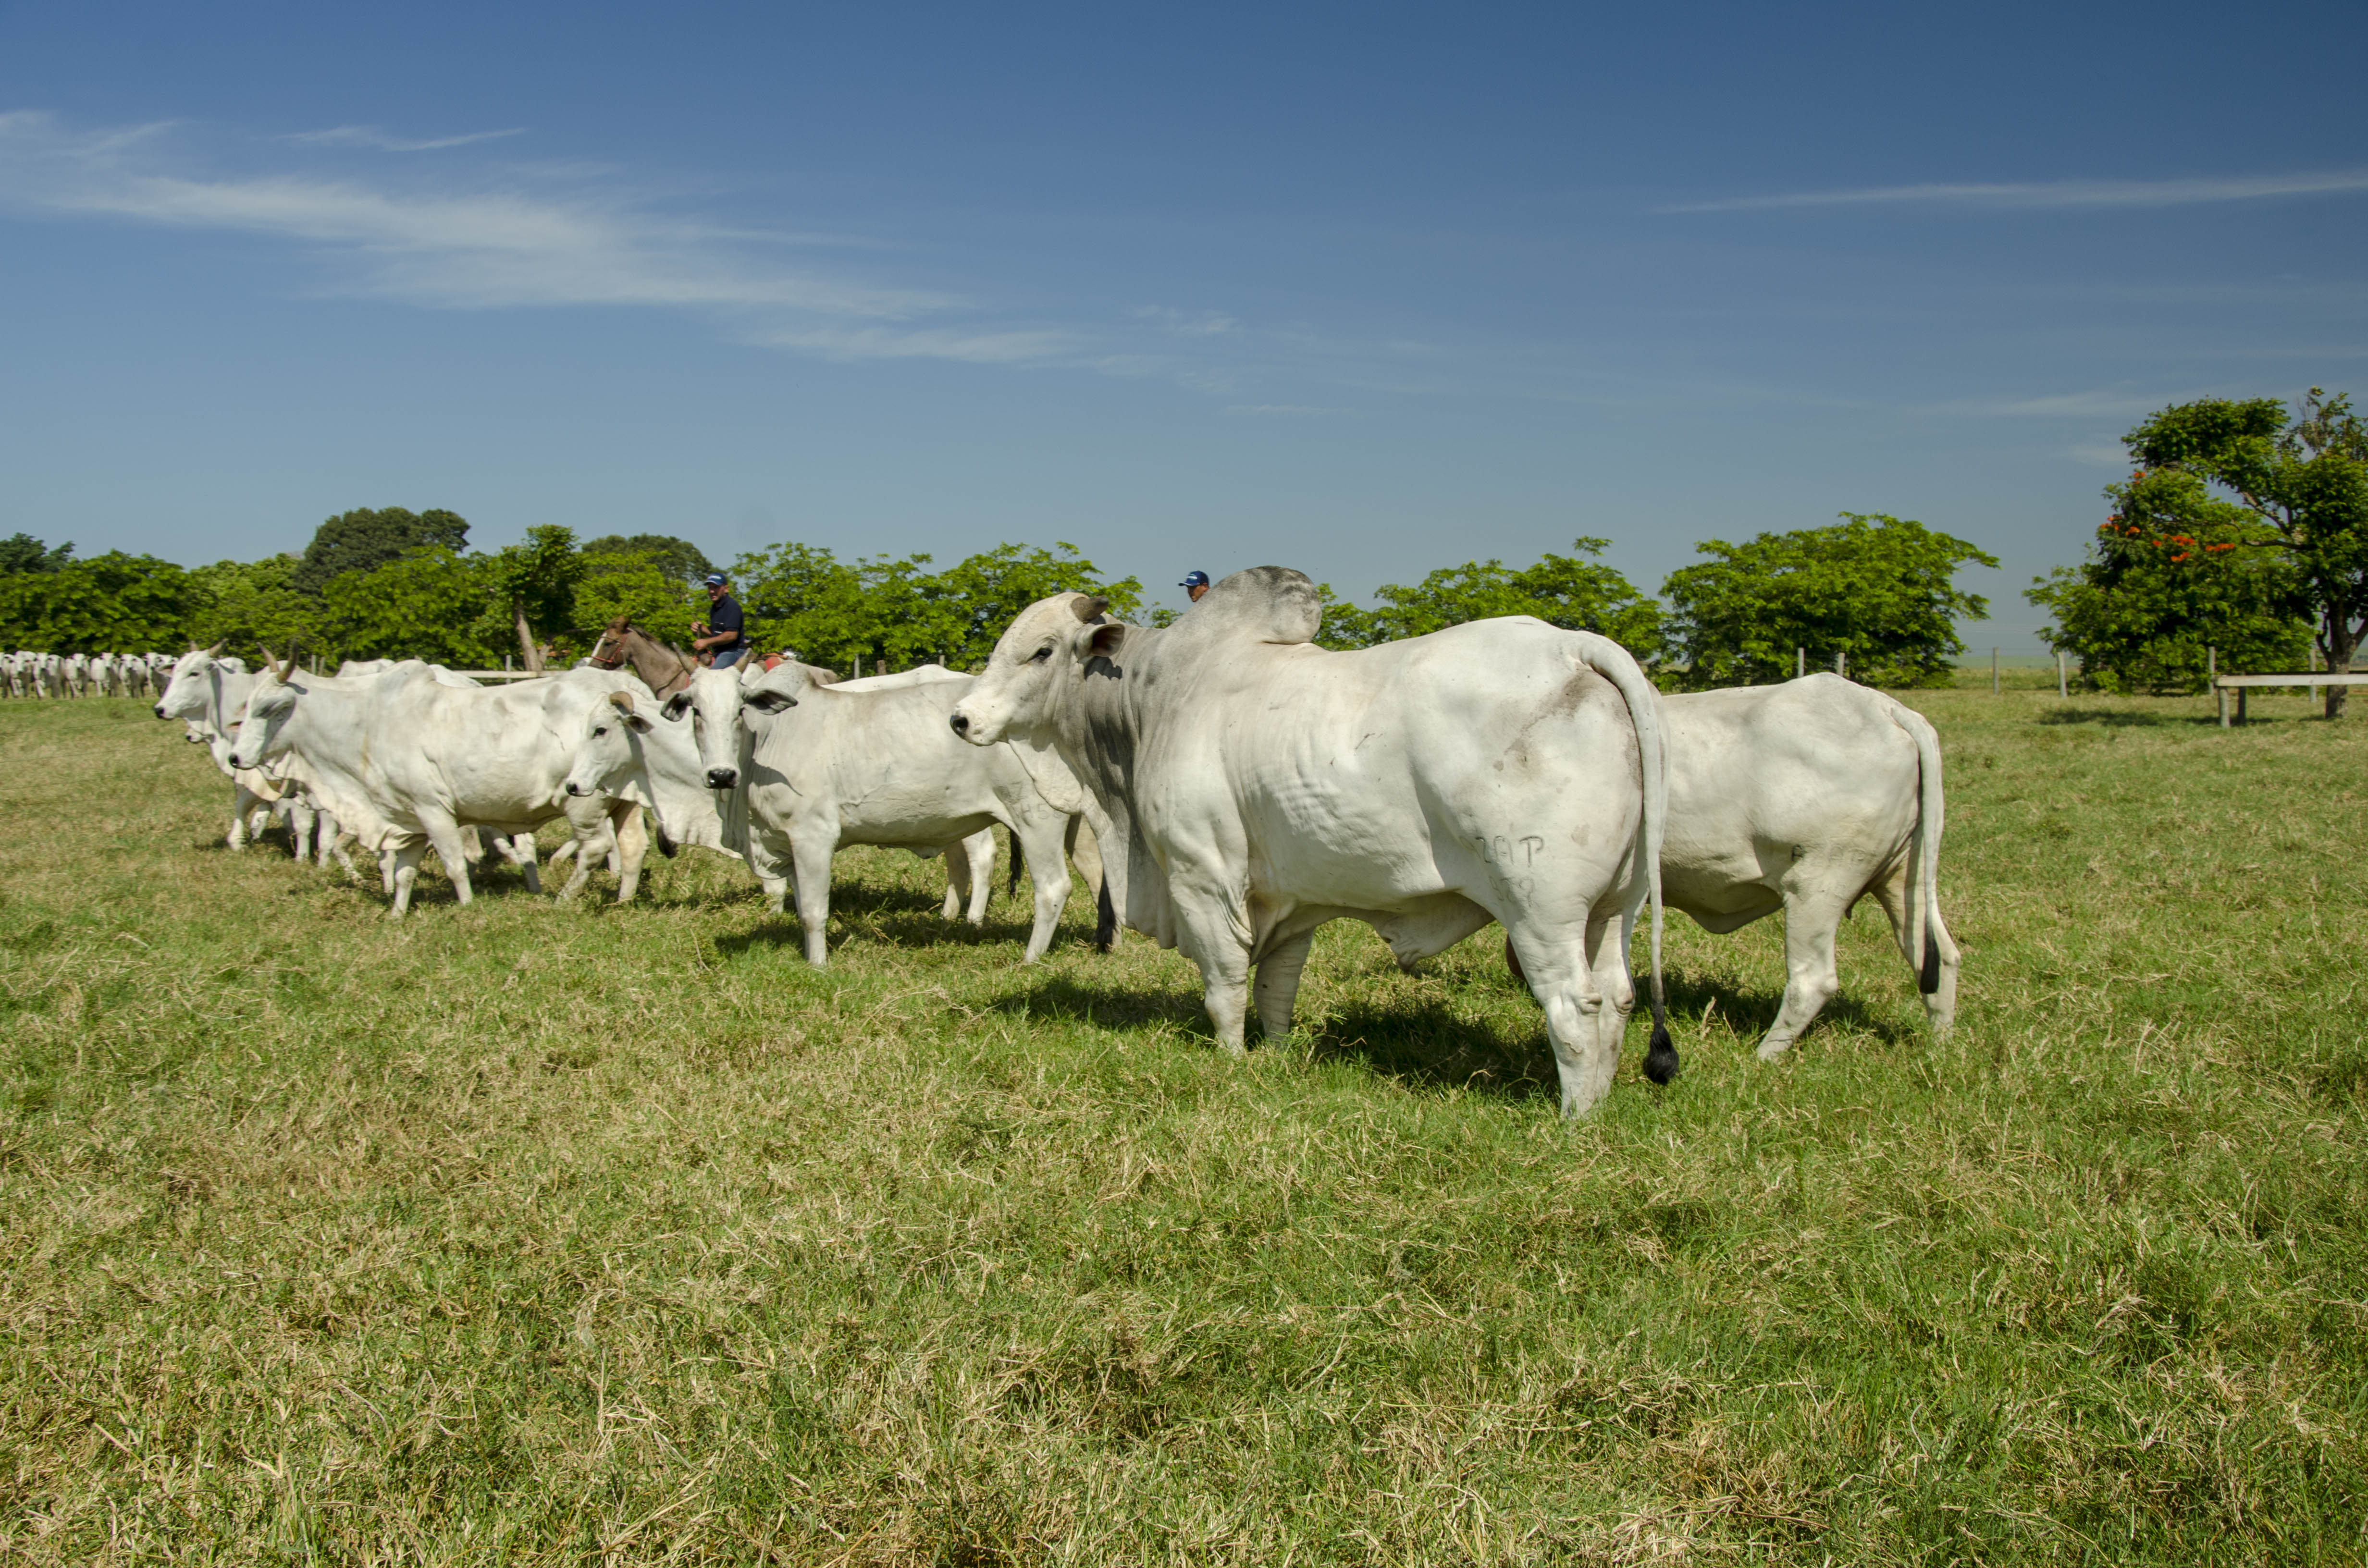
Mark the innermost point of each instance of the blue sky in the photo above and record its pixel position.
(1362, 290)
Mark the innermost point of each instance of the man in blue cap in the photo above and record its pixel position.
(1195, 584)
(720, 635)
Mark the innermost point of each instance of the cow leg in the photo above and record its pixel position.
(632, 841)
(958, 879)
(1210, 933)
(812, 853)
(301, 818)
(1812, 921)
(978, 851)
(1048, 869)
(1277, 986)
(242, 806)
(523, 850)
(777, 893)
(1939, 1004)
(448, 839)
(1563, 982)
(401, 868)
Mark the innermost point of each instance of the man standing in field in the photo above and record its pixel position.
(1194, 585)
(719, 639)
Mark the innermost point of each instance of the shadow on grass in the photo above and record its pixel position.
(1118, 1004)
(1428, 1043)
(2116, 719)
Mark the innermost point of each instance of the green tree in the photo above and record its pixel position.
(1576, 592)
(252, 605)
(2306, 484)
(679, 559)
(893, 608)
(23, 552)
(366, 537)
(983, 593)
(110, 604)
(431, 604)
(644, 587)
(2169, 576)
(1878, 589)
(536, 580)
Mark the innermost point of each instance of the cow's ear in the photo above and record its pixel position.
(1102, 642)
(640, 725)
(677, 706)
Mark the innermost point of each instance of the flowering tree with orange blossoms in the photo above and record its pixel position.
(2172, 573)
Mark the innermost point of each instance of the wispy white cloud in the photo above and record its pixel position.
(2102, 403)
(371, 136)
(2054, 195)
(1022, 346)
(1187, 324)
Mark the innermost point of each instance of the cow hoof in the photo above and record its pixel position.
(1773, 1049)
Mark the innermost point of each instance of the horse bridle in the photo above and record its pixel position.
(681, 677)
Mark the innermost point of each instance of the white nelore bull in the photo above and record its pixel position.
(1807, 797)
(208, 694)
(1249, 787)
(406, 762)
(813, 767)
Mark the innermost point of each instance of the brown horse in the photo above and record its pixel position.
(664, 669)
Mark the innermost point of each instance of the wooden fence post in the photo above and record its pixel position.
(1994, 686)
(2059, 675)
(1800, 663)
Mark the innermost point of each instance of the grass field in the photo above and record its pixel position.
(530, 1233)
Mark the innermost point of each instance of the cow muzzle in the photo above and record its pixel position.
(160, 712)
(960, 721)
(722, 777)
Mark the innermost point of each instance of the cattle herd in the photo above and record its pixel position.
(1223, 785)
(27, 673)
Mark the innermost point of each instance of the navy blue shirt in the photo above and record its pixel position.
(723, 616)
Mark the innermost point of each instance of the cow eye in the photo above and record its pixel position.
(1041, 654)
(600, 730)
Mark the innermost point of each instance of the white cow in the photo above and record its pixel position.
(407, 762)
(1807, 797)
(812, 767)
(209, 693)
(1249, 787)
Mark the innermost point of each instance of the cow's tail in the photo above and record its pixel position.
(1924, 898)
(1617, 666)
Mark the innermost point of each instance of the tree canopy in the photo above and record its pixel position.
(23, 552)
(844, 615)
(1878, 589)
(2306, 481)
(369, 536)
(2170, 576)
(678, 559)
(1574, 592)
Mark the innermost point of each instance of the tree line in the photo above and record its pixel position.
(2240, 530)
(1876, 591)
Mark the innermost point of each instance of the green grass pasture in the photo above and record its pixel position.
(528, 1234)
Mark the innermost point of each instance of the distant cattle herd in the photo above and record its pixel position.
(1223, 785)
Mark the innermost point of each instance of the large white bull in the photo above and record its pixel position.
(1807, 797)
(1249, 787)
(209, 693)
(812, 767)
(407, 762)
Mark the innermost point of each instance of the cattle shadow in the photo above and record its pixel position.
(1119, 1004)
(1750, 1010)
(1430, 1044)
(2118, 719)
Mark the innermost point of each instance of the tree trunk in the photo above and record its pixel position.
(2342, 643)
(527, 648)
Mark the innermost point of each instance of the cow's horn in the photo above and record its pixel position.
(1088, 606)
(622, 700)
(270, 659)
(215, 651)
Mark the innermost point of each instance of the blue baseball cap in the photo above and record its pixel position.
(1194, 580)
(715, 579)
